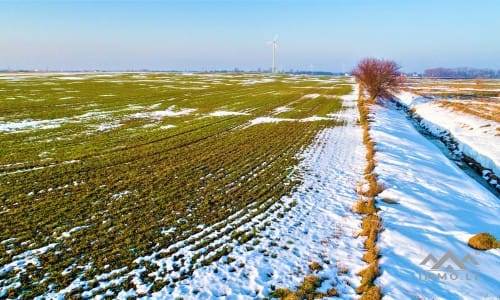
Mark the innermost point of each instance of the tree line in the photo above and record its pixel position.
(462, 73)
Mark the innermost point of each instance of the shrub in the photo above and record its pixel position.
(377, 77)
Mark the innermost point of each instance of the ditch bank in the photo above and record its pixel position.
(464, 156)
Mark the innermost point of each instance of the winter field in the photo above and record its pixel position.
(235, 186)
(130, 184)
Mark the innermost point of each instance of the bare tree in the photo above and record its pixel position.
(377, 77)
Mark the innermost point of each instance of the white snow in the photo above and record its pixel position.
(68, 233)
(440, 208)
(476, 137)
(223, 113)
(281, 109)
(21, 261)
(263, 120)
(159, 114)
(311, 96)
(108, 126)
(31, 124)
(23, 125)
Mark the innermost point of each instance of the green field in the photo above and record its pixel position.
(98, 170)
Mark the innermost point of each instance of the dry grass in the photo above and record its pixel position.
(483, 108)
(372, 293)
(315, 267)
(307, 290)
(366, 205)
(478, 97)
(368, 275)
(483, 241)
(331, 292)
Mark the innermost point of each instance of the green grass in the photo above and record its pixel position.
(126, 185)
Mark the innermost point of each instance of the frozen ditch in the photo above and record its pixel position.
(470, 135)
(438, 209)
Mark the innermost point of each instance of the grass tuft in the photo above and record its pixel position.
(315, 267)
(371, 223)
(483, 241)
(307, 290)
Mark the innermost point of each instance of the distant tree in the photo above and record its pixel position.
(461, 73)
(377, 77)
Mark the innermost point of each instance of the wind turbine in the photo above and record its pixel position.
(274, 42)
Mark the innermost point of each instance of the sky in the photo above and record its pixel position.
(328, 35)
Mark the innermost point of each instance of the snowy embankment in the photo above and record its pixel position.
(476, 137)
(319, 228)
(439, 208)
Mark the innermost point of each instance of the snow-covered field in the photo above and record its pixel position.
(439, 208)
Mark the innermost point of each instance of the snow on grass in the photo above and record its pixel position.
(19, 265)
(281, 109)
(476, 137)
(264, 120)
(440, 208)
(108, 126)
(68, 233)
(40, 168)
(314, 224)
(321, 227)
(24, 125)
(154, 106)
(223, 113)
(31, 125)
(159, 114)
(256, 81)
(311, 96)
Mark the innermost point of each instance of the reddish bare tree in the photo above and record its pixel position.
(377, 77)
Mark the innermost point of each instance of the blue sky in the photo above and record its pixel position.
(327, 35)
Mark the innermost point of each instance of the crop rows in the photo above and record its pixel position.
(135, 195)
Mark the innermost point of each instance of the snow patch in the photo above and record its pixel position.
(223, 113)
(159, 114)
(31, 125)
(311, 96)
(263, 120)
(281, 109)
